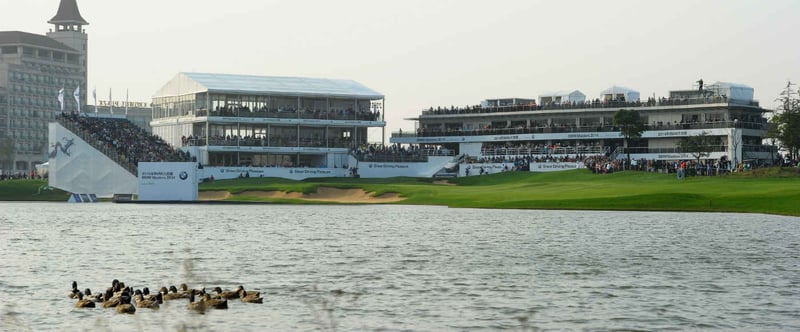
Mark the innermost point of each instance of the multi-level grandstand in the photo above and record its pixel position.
(567, 126)
(280, 126)
(257, 126)
(238, 126)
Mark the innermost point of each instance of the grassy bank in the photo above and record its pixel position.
(30, 190)
(772, 191)
(768, 191)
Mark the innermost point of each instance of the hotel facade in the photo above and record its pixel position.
(33, 69)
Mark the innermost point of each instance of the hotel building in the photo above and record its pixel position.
(33, 69)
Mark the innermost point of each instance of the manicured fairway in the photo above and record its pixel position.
(770, 191)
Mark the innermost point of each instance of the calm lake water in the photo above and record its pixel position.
(403, 267)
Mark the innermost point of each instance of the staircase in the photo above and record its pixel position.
(451, 169)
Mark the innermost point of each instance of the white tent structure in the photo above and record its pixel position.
(619, 93)
(731, 90)
(562, 97)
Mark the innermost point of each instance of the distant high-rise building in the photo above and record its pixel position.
(34, 70)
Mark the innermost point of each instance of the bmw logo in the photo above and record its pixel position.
(184, 175)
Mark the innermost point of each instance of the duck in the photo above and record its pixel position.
(141, 302)
(94, 298)
(84, 303)
(115, 286)
(73, 294)
(125, 306)
(109, 300)
(173, 294)
(254, 297)
(234, 294)
(240, 289)
(198, 306)
(147, 296)
(215, 302)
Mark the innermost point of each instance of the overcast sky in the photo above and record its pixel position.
(422, 53)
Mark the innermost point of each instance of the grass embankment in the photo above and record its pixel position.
(30, 190)
(770, 191)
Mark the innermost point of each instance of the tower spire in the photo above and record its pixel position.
(68, 15)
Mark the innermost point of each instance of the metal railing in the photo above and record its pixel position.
(527, 151)
(588, 105)
(289, 114)
(579, 129)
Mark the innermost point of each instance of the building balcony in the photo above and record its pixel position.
(595, 104)
(289, 114)
(287, 142)
(576, 129)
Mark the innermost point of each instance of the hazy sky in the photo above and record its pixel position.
(437, 53)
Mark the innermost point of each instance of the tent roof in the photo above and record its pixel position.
(250, 84)
(725, 85)
(562, 93)
(617, 89)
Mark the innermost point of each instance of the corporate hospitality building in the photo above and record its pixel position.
(33, 69)
(227, 120)
(566, 123)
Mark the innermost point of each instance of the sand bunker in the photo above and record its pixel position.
(324, 194)
(443, 183)
(213, 195)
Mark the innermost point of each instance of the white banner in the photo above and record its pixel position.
(222, 173)
(554, 167)
(77, 95)
(167, 181)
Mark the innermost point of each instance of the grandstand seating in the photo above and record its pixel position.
(121, 140)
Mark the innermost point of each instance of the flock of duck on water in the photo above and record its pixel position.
(123, 298)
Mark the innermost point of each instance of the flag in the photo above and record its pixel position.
(126, 101)
(61, 98)
(110, 103)
(77, 95)
(94, 95)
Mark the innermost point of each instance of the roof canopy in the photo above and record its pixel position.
(732, 90)
(184, 83)
(24, 38)
(619, 93)
(68, 13)
(562, 97)
(616, 89)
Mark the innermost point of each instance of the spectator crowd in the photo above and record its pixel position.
(122, 140)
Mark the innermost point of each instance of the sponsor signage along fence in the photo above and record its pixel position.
(167, 181)
(557, 136)
(295, 173)
(554, 167)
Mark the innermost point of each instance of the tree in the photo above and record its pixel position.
(786, 121)
(788, 131)
(698, 146)
(630, 125)
(6, 151)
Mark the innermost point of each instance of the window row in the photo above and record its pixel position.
(43, 79)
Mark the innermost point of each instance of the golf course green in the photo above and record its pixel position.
(769, 190)
(772, 191)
